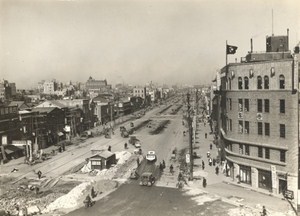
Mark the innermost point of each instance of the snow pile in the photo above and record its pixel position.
(69, 200)
(122, 156)
(86, 168)
(199, 195)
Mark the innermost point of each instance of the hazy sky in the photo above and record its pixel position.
(134, 41)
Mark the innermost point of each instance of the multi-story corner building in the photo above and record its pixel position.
(258, 119)
(139, 92)
(50, 87)
(95, 87)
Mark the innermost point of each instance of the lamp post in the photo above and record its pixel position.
(190, 136)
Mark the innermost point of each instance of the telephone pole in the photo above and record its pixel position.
(190, 136)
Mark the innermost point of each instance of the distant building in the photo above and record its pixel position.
(258, 118)
(139, 92)
(50, 87)
(97, 86)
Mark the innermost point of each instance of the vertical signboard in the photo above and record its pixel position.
(273, 173)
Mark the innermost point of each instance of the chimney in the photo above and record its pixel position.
(287, 31)
(251, 42)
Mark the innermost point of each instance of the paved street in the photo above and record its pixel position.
(135, 200)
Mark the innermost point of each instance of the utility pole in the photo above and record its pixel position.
(190, 136)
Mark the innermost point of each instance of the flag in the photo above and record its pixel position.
(231, 49)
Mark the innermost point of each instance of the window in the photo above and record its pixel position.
(241, 127)
(267, 153)
(240, 105)
(246, 82)
(267, 105)
(281, 82)
(259, 128)
(241, 149)
(259, 82)
(266, 82)
(230, 104)
(247, 127)
(240, 83)
(282, 155)
(282, 106)
(230, 124)
(282, 130)
(229, 84)
(260, 152)
(267, 129)
(259, 105)
(247, 150)
(246, 108)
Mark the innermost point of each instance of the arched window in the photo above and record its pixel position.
(240, 82)
(259, 82)
(229, 83)
(246, 82)
(281, 82)
(266, 82)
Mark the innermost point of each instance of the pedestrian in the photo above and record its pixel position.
(109, 148)
(264, 211)
(161, 167)
(138, 161)
(203, 164)
(210, 146)
(93, 193)
(208, 154)
(171, 169)
(204, 183)
(179, 176)
(37, 190)
(217, 170)
(210, 161)
(205, 135)
(39, 173)
(63, 147)
(164, 164)
(214, 161)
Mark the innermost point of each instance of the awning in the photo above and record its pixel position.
(9, 149)
(60, 134)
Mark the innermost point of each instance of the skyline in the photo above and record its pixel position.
(133, 41)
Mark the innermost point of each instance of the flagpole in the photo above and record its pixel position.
(226, 57)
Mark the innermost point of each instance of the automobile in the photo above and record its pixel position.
(147, 179)
(151, 156)
(132, 140)
(137, 144)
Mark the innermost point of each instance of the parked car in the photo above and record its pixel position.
(151, 156)
(137, 144)
(132, 140)
(147, 179)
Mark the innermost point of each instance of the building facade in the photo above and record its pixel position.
(258, 120)
(139, 92)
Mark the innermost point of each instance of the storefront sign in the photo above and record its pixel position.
(289, 194)
(273, 173)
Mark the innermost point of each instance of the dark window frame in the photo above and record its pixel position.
(246, 105)
(267, 153)
(259, 82)
(281, 82)
(246, 82)
(240, 83)
(281, 106)
(282, 156)
(259, 151)
(266, 82)
(282, 131)
(267, 129)
(267, 105)
(259, 128)
(259, 105)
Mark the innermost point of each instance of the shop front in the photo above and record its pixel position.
(245, 174)
(265, 179)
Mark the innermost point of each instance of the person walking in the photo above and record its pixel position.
(217, 170)
(138, 161)
(203, 164)
(205, 135)
(164, 164)
(39, 173)
(109, 148)
(210, 161)
(210, 146)
(264, 211)
(204, 183)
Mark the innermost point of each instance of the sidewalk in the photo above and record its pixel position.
(226, 187)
